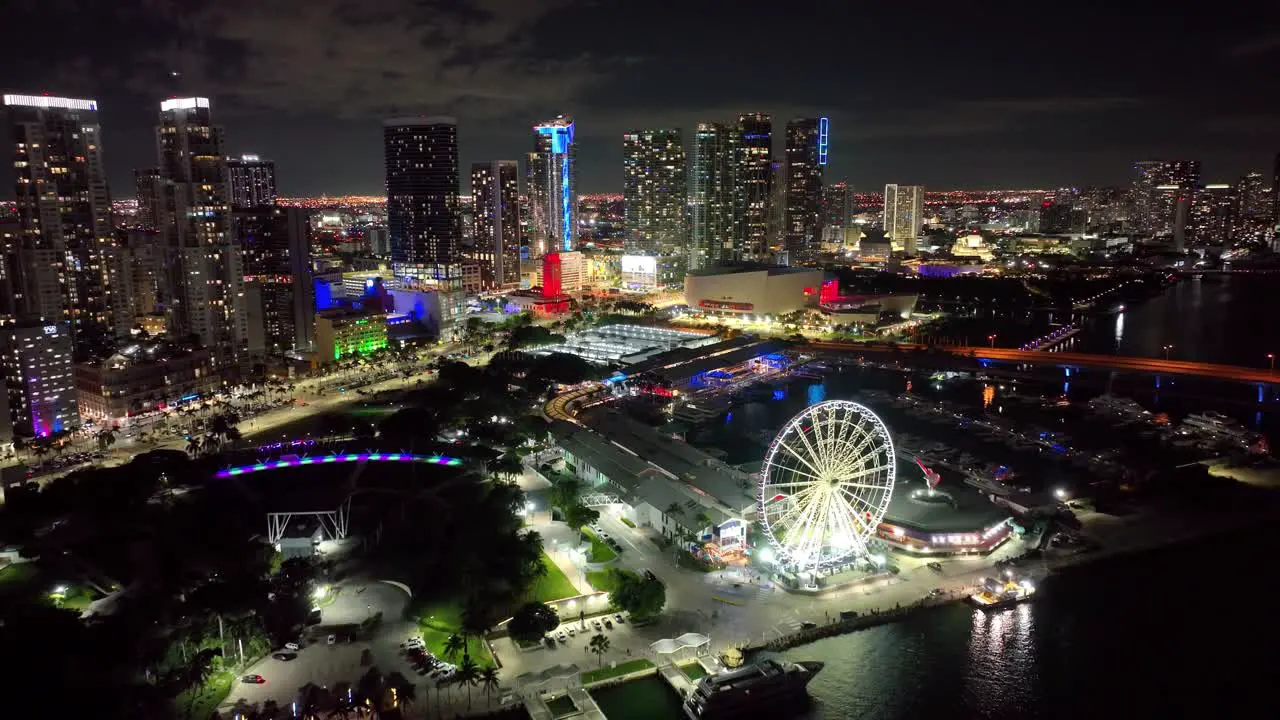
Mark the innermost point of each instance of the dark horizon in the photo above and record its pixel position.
(999, 99)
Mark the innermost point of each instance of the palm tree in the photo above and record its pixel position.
(468, 674)
(404, 689)
(193, 446)
(673, 510)
(599, 645)
(489, 681)
(455, 644)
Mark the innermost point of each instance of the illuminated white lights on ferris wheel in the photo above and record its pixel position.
(825, 484)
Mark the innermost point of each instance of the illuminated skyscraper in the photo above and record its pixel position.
(495, 192)
(64, 214)
(806, 154)
(146, 186)
(1252, 216)
(753, 187)
(712, 229)
(553, 186)
(1157, 187)
(203, 286)
(1213, 214)
(252, 182)
(903, 215)
(422, 195)
(40, 377)
(655, 200)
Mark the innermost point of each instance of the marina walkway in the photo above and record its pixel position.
(586, 704)
(676, 679)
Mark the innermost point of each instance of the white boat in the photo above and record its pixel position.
(1216, 423)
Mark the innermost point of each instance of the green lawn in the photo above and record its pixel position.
(551, 586)
(561, 706)
(440, 621)
(18, 578)
(623, 668)
(207, 697)
(601, 580)
(694, 671)
(600, 550)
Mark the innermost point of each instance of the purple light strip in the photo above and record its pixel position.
(349, 457)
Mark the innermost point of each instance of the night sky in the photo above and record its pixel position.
(979, 95)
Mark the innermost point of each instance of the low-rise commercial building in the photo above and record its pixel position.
(142, 377)
(342, 333)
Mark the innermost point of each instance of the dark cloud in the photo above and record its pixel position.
(1011, 95)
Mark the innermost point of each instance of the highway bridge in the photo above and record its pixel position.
(1154, 366)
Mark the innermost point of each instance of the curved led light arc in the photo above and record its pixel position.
(345, 458)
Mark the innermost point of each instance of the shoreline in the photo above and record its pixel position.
(1254, 521)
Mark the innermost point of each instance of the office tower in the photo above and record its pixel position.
(1062, 215)
(777, 233)
(203, 281)
(903, 215)
(277, 265)
(64, 214)
(1157, 185)
(655, 200)
(1275, 197)
(495, 196)
(753, 186)
(40, 378)
(805, 156)
(837, 205)
(251, 182)
(553, 185)
(422, 195)
(146, 187)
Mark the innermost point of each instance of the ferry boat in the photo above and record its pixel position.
(999, 593)
(769, 688)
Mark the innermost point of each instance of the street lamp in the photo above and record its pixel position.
(1271, 357)
(992, 340)
(1166, 349)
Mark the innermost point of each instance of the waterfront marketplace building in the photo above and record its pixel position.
(950, 520)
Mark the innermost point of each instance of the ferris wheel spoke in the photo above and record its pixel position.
(798, 456)
(818, 460)
(865, 505)
(806, 522)
(815, 478)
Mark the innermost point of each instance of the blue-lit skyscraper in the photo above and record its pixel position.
(553, 186)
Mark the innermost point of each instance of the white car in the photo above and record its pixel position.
(291, 646)
(411, 643)
(332, 640)
(596, 624)
(561, 637)
(570, 630)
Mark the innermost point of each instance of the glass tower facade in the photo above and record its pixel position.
(753, 188)
(422, 194)
(805, 156)
(655, 199)
(712, 230)
(495, 192)
(553, 185)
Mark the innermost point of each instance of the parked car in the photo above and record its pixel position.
(332, 640)
(285, 656)
(254, 680)
(618, 618)
(561, 637)
(291, 646)
(608, 624)
(596, 624)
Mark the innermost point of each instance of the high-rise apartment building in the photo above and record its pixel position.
(64, 214)
(1157, 187)
(203, 283)
(903, 215)
(712, 227)
(251, 182)
(422, 195)
(277, 267)
(40, 377)
(837, 205)
(805, 156)
(1252, 213)
(553, 185)
(753, 187)
(146, 188)
(1212, 215)
(495, 194)
(655, 200)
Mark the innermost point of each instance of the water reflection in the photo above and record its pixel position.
(1119, 329)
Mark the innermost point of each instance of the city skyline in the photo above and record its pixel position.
(967, 111)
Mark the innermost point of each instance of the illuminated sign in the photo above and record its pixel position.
(44, 101)
(824, 126)
(719, 305)
(50, 329)
(640, 264)
(183, 104)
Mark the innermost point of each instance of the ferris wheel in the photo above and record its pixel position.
(825, 484)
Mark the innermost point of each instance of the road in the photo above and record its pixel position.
(1154, 366)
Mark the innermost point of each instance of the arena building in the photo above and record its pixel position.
(767, 291)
